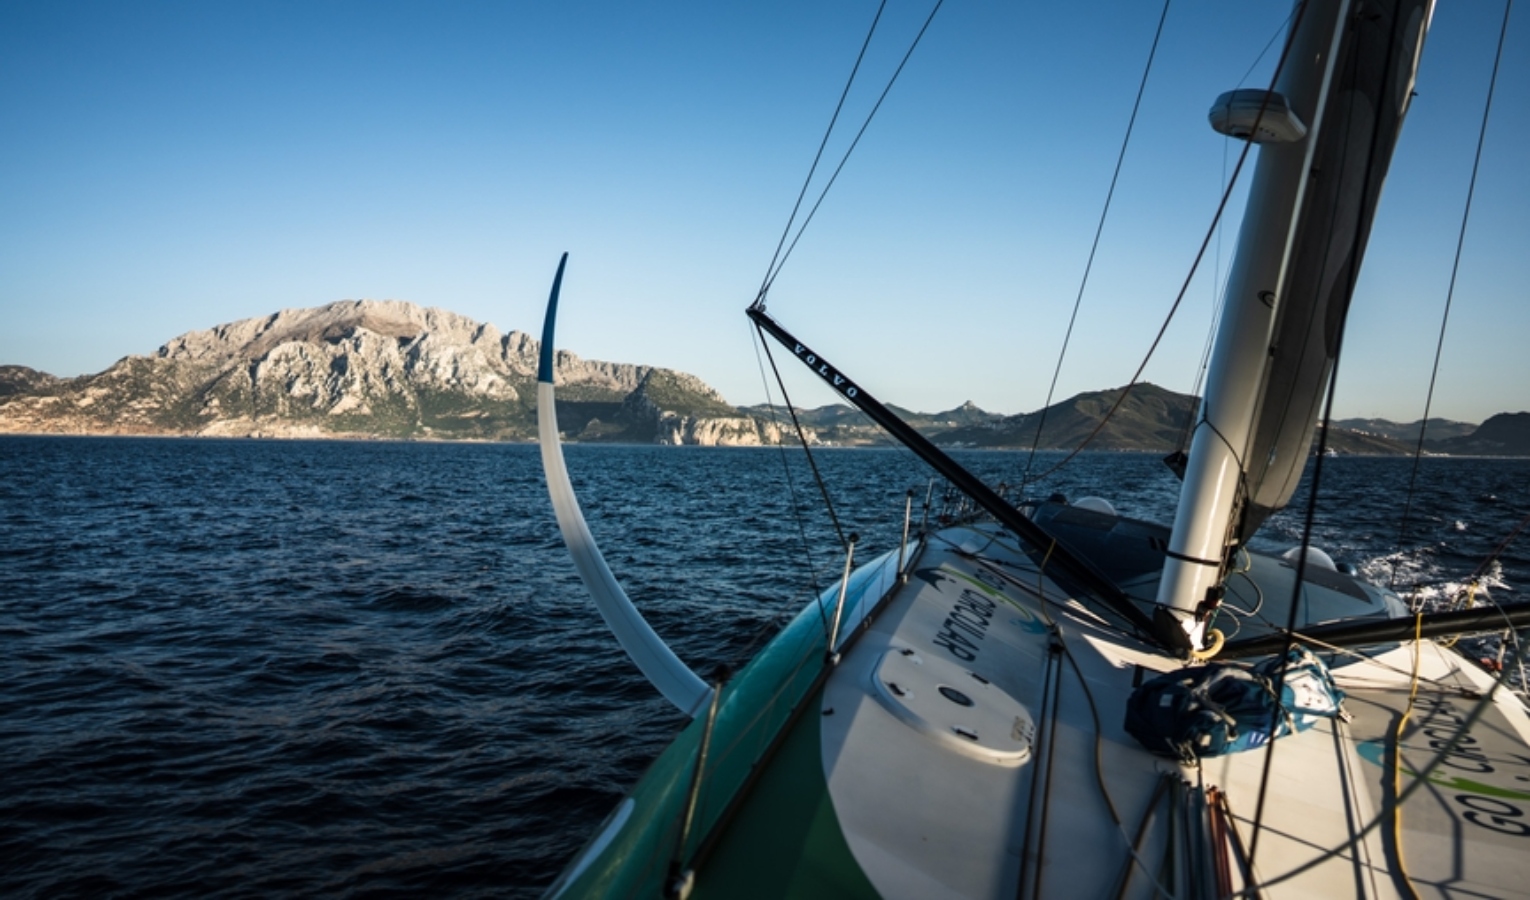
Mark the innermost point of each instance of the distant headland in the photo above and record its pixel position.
(390, 369)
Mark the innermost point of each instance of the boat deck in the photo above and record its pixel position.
(970, 742)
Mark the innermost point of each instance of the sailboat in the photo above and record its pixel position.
(1035, 700)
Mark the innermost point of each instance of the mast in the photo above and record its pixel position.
(1349, 71)
(1204, 520)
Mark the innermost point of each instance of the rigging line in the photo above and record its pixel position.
(1397, 736)
(1051, 687)
(1099, 230)
(1450, 292)
(1148, 814)
(1057, 641)
(1367, 178)
(791, 486)
(1099, 756)
(1097, 615)
(1374, 660)
(1420, 779)
(1218, 291)
(1200, 254)
(1052, 715)
(1275, 35)
(823, 488)
(995, 566)
(1218, 282)
(771, 276)
(817, 157)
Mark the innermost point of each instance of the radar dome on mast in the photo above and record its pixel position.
(1254, 114)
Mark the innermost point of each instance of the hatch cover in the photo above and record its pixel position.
(962, 710)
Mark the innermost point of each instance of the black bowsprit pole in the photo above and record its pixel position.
(1363, 632)
(1081, 570)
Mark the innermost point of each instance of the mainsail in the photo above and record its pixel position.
(1373, 82)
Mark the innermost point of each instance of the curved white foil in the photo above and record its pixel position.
(658, 663)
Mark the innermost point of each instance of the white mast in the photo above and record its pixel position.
(1255, 289)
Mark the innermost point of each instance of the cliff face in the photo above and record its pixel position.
(367, 368)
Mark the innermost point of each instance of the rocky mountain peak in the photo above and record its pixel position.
(22, 380)
(368, 368)
(331, 323)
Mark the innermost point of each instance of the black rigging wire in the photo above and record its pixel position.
(1218, 305)
(1299, 579)
(1179, 298)
(1282, 28)
(770, 276)
(823, 487)
(791, 486)
(1450, 293)
(1367, 179)
(1218, 284)
(778, 259)
(1098, 230)
(770, 270)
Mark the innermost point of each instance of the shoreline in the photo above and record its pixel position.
(383, 439)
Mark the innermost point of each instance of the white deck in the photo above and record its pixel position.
(964, 817)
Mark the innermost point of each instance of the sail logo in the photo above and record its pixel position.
(826, 372)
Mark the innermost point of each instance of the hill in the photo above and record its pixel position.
(365, 368)
(1407, 432)
(1506, 434)
(1150, 418)
(841, 425)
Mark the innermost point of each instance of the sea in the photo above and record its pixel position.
(249, 668)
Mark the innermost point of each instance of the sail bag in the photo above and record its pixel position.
(1229, 707)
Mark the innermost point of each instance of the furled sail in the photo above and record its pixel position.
(1373, 81)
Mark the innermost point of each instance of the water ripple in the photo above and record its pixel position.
(244, 668)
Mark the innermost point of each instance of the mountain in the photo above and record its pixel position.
(1506, 434)
(1151, 418)
(1439, 429)
(837, 424)
(22, 380)
(365, 368)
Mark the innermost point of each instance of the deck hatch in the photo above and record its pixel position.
(957, 708)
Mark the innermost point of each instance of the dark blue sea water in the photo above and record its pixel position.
(246, 668)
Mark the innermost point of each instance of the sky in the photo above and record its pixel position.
(170, 166)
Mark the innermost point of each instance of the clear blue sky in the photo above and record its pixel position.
(170, 166)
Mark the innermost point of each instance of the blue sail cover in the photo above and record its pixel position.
(1229, 707)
